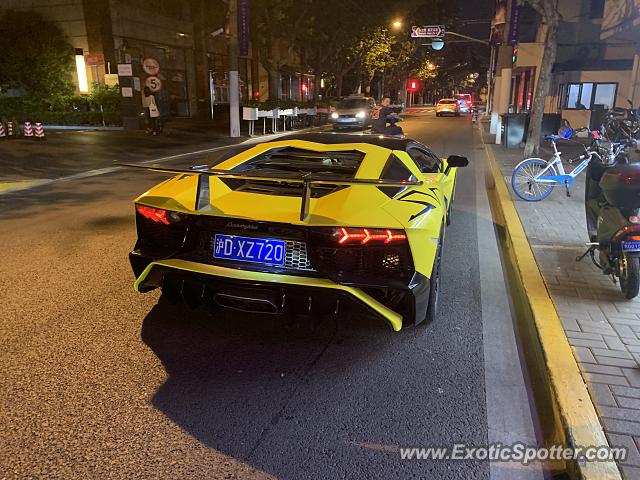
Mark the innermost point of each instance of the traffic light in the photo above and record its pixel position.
(413, 85)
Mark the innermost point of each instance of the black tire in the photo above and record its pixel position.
(591, 193)
(450, 206)
(437, 114)
(630, 276)
(434, 283)
(457, 114)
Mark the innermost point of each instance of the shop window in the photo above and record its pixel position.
(590, 96)
(605, 95)
(585, 96)
(596, 9)
(573, 95)
(560, 96)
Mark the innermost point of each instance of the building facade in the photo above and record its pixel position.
(177, 47)
(593, 72)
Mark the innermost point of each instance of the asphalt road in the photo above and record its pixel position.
(101, 382)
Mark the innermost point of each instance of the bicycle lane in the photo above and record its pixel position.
(602, 327)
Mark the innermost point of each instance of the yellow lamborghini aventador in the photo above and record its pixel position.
(310, 223)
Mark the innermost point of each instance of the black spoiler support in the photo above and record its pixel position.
(307, 180)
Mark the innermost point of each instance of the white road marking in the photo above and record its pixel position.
(11, 187)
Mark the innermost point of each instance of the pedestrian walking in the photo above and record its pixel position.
(152, 111)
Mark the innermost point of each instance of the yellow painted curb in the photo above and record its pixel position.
(556, 378)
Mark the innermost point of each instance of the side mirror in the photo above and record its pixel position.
(457, 161)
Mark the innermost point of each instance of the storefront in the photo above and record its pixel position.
(296, 86)
(522, 87)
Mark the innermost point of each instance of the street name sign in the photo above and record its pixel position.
(428, 31)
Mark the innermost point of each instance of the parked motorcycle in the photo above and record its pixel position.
(612, 205)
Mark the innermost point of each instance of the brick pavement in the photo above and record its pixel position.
(602, 327)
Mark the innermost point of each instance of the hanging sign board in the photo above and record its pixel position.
(94, 60)
(125, 70)
(243, 27)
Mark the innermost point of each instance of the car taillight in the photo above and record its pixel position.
(155, 214)
(159, 215)
(365, 236)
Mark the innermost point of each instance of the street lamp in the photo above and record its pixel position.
(397, 24)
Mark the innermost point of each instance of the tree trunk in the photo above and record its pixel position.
(369, 82)
(274, 84)
(544, 80)
(339, 79)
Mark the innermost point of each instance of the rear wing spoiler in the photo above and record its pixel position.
(307, 180)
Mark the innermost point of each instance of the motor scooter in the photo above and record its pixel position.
(612, 205)
(474, 114)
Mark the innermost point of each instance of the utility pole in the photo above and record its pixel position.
(234, 86)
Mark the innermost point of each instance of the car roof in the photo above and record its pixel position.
(330, 138)
(447, 99)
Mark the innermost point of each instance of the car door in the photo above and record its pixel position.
(435, 170)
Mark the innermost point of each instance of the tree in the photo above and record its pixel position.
(36, 55)
(374, 53)
(549, 21)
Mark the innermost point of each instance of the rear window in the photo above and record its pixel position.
(289, 161)
(446, 102)
(353, 103)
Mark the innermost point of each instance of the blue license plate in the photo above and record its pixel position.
(347, 120)
(267, 251)
(631, 246)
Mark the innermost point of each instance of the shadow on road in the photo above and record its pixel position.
(241, 383)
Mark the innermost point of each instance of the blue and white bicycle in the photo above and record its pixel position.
(533, 179)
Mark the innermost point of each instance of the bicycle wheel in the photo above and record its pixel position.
(524, 183)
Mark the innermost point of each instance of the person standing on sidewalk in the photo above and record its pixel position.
(152, 111)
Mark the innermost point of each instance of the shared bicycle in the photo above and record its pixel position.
(534, 179)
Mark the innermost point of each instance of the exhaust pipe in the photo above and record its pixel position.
(247, 301)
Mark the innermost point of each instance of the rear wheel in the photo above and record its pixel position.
(629, 270)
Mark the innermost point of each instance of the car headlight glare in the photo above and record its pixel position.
(334, 115)
(360, 115)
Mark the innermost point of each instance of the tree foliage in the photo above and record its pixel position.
(347, 41)
(35, 55)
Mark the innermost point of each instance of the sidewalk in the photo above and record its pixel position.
(602, 327)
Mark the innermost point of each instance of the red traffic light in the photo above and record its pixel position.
(413, 85)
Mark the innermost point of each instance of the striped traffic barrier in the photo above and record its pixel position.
(40, 131)
(10, 133)
(3, 135)
(27, 130)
